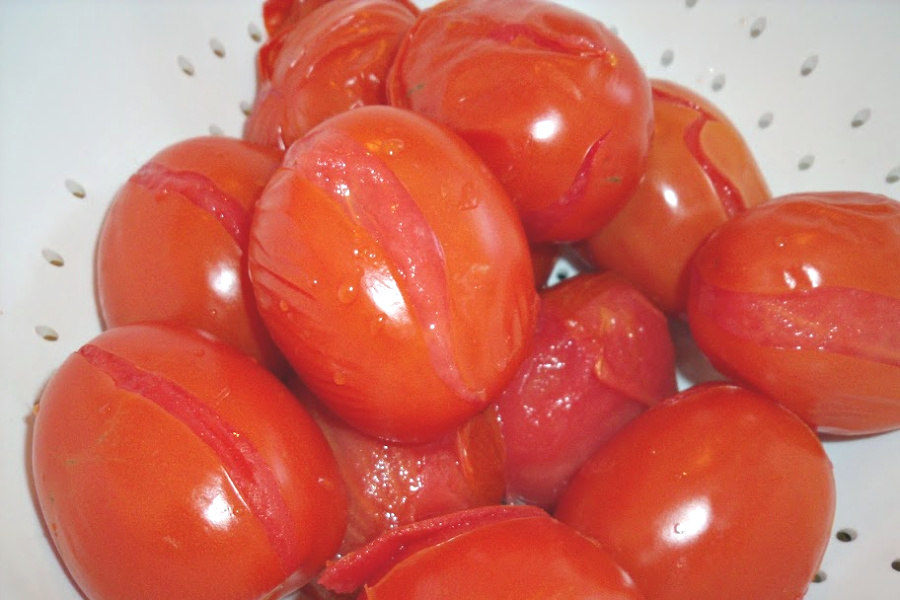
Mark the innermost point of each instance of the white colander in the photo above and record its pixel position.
(91, 89)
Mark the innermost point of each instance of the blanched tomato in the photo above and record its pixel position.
(168, 465)
(172, 247)
(798, 298)
(601, 355)
(281, 15)
(320, 66)
(700, 173)
(391, 484)
(393, 272)
(716, 493)
(554, 102)
(492, 552)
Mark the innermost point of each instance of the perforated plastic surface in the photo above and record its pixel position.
(89, 90)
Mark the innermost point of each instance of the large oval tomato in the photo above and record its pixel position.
(393, 272)
(699, 174)
(168, 465)
(554, 103)
(601, 355)
(391, 484)
(319, 66)
(716, 493)
(172, 246)
(493, 552)
(798, 298)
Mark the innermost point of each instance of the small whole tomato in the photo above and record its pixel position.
(172, 246)
(168, 465)
(601, 355)
(391, 269)
(391, 484)
(717, 492)
(324, 65)
(554, 102)
(490, 552)
(700, 173)
(797, 298)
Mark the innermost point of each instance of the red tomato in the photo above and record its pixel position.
(281, 15)
(392, 271)
(324, 65)
(391, 484)
(493, 552)
(168, 465)
(554, 103)
(716, 493)
(173, 242)
(601, 355)
(700, 173)
(798, 298)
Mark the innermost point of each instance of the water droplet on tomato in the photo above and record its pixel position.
(468, 203)
(347, 293)
(378, 323)
(339, 377)
(283, 305)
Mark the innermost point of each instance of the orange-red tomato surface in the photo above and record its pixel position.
(168, 465)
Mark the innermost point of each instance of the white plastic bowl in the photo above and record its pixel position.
(91, 89)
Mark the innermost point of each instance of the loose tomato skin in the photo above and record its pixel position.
(390, 484)
(282, 15)
(168, 465)
(700, 172)
(601, 355)
(572, 145)
(795, 298)
(718, 492)
(317, 67)
(172, 245)
(494, 552)
(393, 272)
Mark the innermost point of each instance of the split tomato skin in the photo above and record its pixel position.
(529, 84)
(795, 298)
(491, 552)
(601, 355)
(700, 173)
(718, 492)
(317, 67)
(168, 465)
(392, 484)
(392, 270)
(173, 244)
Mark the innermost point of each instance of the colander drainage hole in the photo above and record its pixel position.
(216, 130)
(893, 175)
(765, 120)
(806, 162)
(255, 32)
(52, 257)
(718, 82)
(809, 65)
(846, 535)
(217, 47)
(667, 57)
(246, 107)
(186, 66)
(860, 118)
(896, 564)
(757, 28)
(819, 577)
(48, 333)
(75, 188)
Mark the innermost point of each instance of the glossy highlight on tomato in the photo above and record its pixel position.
(393, 272)
(601, 355)
(172, 245)
(490, 552)
(797, 298)
(700, 173)
(717, 492)
(167, 465)
(553, 102)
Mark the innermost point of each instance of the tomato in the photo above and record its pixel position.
(553, 101)
(169, 465)
(393, 272)
(282, 15)
(699, 174)
(324, 65)
(797, 298)
(718, 492)
(601, 355)
(391, 484)
(493, 552)
(172, 246)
